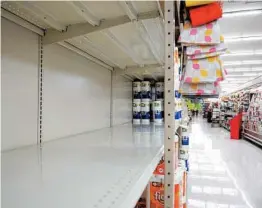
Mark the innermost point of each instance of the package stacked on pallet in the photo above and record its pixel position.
(254, 121)
(158, 104)
(141, 203)
(205, 43)
(136, 102)
(148, 102)
(145, 102)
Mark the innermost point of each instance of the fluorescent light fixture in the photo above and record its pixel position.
(243, 75)
(243, 53)
(251, 69)
(234, 81)
(249, 62)
(243, 38)
(252, 74)
(242, 13)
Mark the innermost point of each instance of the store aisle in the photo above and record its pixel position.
(223, 173)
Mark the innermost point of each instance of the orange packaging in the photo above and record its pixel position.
(157, 196)
(160, 168)
(157, 192)
(177, 195)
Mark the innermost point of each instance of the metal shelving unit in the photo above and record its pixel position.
(105, 168)
(169, 104)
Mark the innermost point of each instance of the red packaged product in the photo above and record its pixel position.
(205, 14)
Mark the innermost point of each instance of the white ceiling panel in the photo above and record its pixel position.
(242, 52)
(245, 45)
(235, 57)
(241, 5)
(241, 25)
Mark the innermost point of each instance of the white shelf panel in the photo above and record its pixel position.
(104, 168)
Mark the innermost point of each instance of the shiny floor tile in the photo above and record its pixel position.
(223, 173)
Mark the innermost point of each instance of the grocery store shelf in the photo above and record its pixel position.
(105, 168)
(253, 136)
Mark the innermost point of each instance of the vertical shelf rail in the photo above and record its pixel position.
(40, 91)
(169, 104)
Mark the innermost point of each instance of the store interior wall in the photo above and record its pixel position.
(121, 98)
(19, 83)
(77, 94)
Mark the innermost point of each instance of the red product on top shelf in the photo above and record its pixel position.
(205, 14)
(235, 126)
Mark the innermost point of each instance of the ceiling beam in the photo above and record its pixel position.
(86, 55)
(84, 12)
(42, 15)
(75, 30)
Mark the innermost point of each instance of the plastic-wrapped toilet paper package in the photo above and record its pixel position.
(145, 111)
(137, 90)
(136, 111)
(159, 90)
(158, 112)
(146, 90)
(153, 93)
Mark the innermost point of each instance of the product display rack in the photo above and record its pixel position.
(58, 168)
(252, 125)
(248, 99)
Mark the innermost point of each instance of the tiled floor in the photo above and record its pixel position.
(224, 173)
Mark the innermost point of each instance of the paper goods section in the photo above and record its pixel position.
(67, 103)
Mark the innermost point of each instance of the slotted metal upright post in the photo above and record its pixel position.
(169, 104)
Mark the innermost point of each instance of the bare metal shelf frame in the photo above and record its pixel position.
(169, 104)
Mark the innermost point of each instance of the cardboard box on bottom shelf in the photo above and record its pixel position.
(157, 196)
(142, 200)
(141, 203)
(157, 192)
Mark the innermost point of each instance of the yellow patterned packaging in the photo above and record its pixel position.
(198, 52)
(207, 70)
(191, 3)
(208, 34)
(200, 89)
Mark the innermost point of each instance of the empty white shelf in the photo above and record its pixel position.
(100, 169)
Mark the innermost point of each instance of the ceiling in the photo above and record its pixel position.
(130, 35)
(241, 26)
